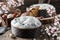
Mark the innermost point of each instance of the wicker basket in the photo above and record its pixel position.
(45, 6)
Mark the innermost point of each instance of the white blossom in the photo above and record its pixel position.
(51, 30)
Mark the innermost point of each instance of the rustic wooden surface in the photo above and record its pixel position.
(6, 36)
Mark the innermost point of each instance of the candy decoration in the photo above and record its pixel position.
(14, 15)
(9, 16)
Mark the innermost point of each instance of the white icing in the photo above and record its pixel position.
(26, 22)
